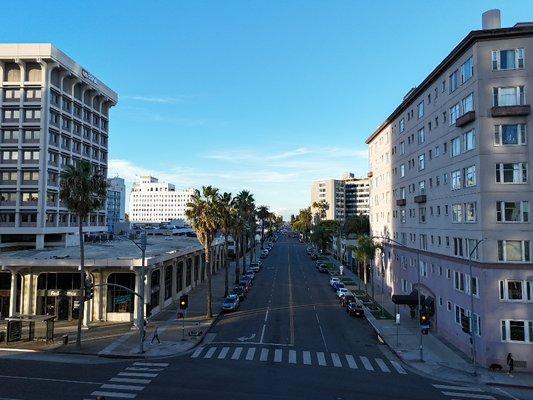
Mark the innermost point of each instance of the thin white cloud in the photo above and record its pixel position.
(161, 99)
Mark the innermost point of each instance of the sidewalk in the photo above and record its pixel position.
(440, 359)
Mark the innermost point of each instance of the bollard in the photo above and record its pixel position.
(65, 339)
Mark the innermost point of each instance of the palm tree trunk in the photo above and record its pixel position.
(365, 273)
(237, 259)
(244, 249)
(209, 287)
(226, 273)
(262, 233)
(82, 286)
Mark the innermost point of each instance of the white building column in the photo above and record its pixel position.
(174, 278)
(136, 299)
(13, 294)
(161, 286)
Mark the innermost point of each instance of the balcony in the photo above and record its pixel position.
(7, 224)
(400, 202)
(510, 111)
(26, 224)
(465, 119)
(421, 198)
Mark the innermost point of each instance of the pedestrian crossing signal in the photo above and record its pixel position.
(184, 302)
(89, 290)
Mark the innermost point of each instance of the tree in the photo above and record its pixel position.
(227, 220)
(203, 211)
(359, 225)
(245, 204)
(83, 191)
(262, 214)
(302, 223)
(322, 233)
(366, 250)
(322, 206)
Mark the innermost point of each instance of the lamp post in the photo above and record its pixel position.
(419, 306)
(472, 333)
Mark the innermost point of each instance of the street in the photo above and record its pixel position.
(290, 339)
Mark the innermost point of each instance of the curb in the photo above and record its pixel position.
(510, 385)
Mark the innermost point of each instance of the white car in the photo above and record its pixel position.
(332, 281)
(342, 292)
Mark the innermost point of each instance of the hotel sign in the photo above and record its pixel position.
(87, 75)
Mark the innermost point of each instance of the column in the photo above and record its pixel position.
(137, 300)
(161, 286)
(39, 242)
(13, 294)
(174, 278)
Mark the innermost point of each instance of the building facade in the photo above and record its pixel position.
(450, 184)
(152, 201)
(54, 113)
(116, 203)
(346, 197)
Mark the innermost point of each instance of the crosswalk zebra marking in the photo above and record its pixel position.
(122, 387)
(306, 357)
(382, 365)
(146, 369)
(398, 367)
(292, 356)
(137, 374)
(264, 355)
(196, 352)
(237, 353)
(278, 353)
(336, 360)
(114, 394)
(321, 359)
(223, 353)
(463, 388)
(149, 364)
(210, 352)
(470, 395)
(366, 363)
(131, 380)
(250, 354)
(351, 361)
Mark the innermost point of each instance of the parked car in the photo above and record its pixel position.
(240, 292)
(347, 298)
(320, 265)
(231, 303)
(323, 270)
(250, 274)
(355, 310)
(337, 286)
(246, 280)
(255, 266)
(246, 284)
(334, 280)
(342, 291)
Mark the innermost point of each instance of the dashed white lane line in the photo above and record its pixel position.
(223, 353)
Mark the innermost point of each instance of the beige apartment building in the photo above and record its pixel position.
(346, 197)
(450, 181)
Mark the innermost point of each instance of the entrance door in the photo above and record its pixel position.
(4, 307)
(62, 308)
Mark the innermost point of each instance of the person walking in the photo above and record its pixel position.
(155, 336)
(510, 363)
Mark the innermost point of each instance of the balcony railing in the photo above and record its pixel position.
(465, 118)
(421, 198)
(510, 111)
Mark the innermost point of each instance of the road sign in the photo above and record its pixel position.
(398, 319)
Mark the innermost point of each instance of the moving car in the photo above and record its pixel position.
(355, 310)
(231, 303)
(347, 298)
(240, 292)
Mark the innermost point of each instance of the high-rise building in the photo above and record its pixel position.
(116, 202)
(54, 113)
(451, 185)
(152, 201)
(346, 197)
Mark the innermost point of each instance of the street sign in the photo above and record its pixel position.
(398, 319)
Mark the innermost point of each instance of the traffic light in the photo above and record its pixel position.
(184, 302)
(89, 290)
(424, 317)
(465, 323)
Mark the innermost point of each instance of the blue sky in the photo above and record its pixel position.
(262, 95)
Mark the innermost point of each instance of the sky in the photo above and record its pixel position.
(259, 95)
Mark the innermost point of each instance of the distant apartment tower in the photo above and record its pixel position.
(152, 201)
(116, 202)
(346, 197)
(450, 180)
(54, 113)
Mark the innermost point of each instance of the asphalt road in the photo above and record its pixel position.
(290, 339)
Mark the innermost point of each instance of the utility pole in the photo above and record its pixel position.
(472, 333)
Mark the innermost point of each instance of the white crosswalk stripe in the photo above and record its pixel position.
(292, 356)
(137, 374)
(250, 354)
(223, 353)
(351, 361)
(131, 380)
(461, 392)
(149, 364)
(382, 365)
(237, 353)
(210, 352)
(366, 363)
(307, 357)
(469, 395)
(264, 355)
(321, 359)
(336, 360)
(197, 352)
(119, 395)
(146, 369)
(122, 387)
(398, 367)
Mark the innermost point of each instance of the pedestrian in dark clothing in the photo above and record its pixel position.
(155, 336)
(510, 363)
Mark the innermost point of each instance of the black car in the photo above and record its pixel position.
(346, 299)
(239, 291)
(355, 310)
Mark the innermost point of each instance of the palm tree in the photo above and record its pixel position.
(366, 250)
(227, 221)
(245, 204)
(82, 191)
(262, 214)
(203, 211)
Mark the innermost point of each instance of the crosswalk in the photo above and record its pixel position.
(129, 382)
(463, 392)
(296, 357)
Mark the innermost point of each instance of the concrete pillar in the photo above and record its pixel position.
(162, 286)
(87, 314)
(174, 278)
(13, 294)
(39, 242)
(102, 303)
(136, 299)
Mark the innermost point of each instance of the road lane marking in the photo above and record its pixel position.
(197, 352)
(398, 367)
(266, 316)
(336, 360)
(31, 378)
(464, 388)
(382, 365)
(278, 355)
(223, 353)
(469, 395)
(149, 364)
(146, 369)
(264, 355)
(307, 357)
(137, 374)
(130, 380)
(292, 356)
(122, 387)
(210, 352)
(114, 394)
(250, 354)
(351, 361)
(291, 304)
(321, 359)
(237, 353)
(262, 334)
(366, 363)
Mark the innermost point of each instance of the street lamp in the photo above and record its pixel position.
(472, 333)
(419, 306)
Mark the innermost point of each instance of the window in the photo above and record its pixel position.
(455, 147)
(508, 135)
(516, 290)
(467, 70)
(509, 96)
(402, 148)
(510, 211)
(10, 135)
(422, 217)
(517, 331)
(10, 155)
(402, 125)
(402, 170)
(420, 109)
(12, 94)
(467, 104)
(11, 114)
(470, 212)
(511, 173)
(33, 94)
(421, 162)
(508, 59)
(458, 246)
(513, 250)
(460, 313)
(421, 136)
(32, 136)
(454, 80)
(402, 216)
(423, 268)
(470, 176)
(457, 180)
(459, 281)
(422, 187)
(29, 155)
(455, 112)
(469, 140)
(457, 213)
(474, 285)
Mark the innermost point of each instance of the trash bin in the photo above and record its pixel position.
(65, 339)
